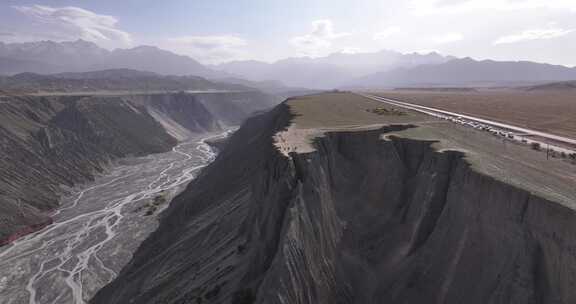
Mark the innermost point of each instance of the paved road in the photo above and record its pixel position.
(432, 111)
(97, 230)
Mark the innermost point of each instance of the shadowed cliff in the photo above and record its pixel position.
(358, 220)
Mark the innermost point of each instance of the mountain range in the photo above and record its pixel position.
(331, 71)
(111, 80)
(48, 57)
(470, 72)
(382, 69)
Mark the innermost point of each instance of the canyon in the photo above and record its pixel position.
(321, 200)
(247, 152)
(85, 177)
(120, 197)
(98, 226)
(52, 143)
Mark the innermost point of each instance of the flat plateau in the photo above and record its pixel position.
(509, 162)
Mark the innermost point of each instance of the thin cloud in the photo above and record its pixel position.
(324, 29)
(448, 38)
(319, 40)
(350, 50)
(208, 49)
(427, 51)
(537, 34)
(210, 42)
(430, 7)
(387, 33)
(69, 23)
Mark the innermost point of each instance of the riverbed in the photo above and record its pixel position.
(98, 227)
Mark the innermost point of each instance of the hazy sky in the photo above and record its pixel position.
(218, 30)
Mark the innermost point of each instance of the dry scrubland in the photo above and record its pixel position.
(336, 110)
(553, 112)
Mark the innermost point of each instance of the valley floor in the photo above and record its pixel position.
(97, 229)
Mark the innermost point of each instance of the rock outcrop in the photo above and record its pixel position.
(54, 141)
(360, 219)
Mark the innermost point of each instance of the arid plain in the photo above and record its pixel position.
(547, 111)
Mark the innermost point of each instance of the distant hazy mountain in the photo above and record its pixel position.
(80, 56)
(9, 66)
(272, 87)
(554, 86)
(149, 58)
(327, 72)
(379, 69)
(469, 72)
(109, 80)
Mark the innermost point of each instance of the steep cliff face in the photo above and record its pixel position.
(424, 228)
(360, 219)
(55, 141)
